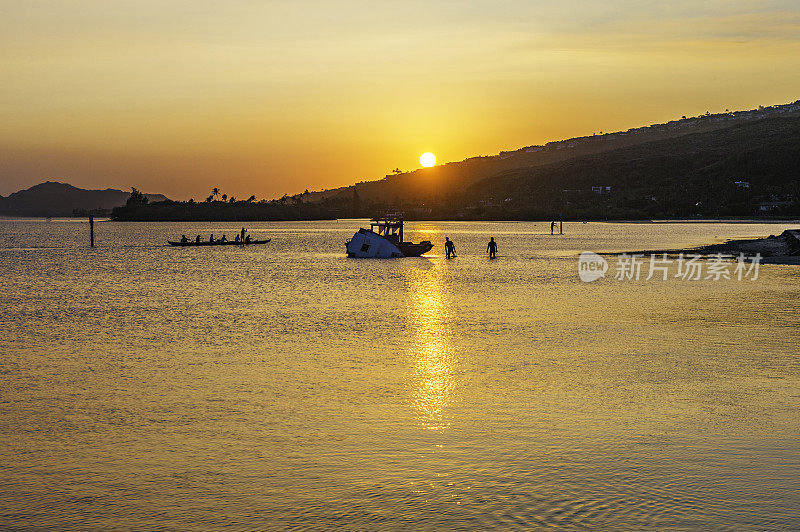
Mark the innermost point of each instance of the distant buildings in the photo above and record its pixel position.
(771, 206)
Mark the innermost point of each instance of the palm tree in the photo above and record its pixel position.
(252, 198)
(214, 192)
(224, 197)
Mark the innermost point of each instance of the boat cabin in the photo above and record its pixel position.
(391, 230)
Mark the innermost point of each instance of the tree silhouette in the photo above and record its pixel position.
(214, 193)
(136, 198)
(224, 197)
(252, 198)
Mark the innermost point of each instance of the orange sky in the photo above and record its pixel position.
(273, 97)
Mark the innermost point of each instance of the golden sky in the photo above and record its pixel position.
(271, 97)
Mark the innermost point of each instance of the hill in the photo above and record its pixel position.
(423, 192)
(61, 199)
(748, 169)
(738, 164)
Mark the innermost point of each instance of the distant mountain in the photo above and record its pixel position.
(61, 199)
(751, 168)
(733, 164)
(426, 187)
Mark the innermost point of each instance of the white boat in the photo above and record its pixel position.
(384, 240)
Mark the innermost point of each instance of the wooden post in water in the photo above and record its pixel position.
(561, 227)
(91, 229)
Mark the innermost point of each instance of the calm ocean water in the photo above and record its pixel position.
(282, 386)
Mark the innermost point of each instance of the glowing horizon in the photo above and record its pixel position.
(276, 98)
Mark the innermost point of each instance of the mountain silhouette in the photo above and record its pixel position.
(61, 199)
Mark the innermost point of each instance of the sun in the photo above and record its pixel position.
(427, 159)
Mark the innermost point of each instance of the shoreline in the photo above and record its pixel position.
(774, 249)
(108, 218)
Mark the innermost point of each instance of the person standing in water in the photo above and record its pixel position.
(552, 227)
(449, 247)
(491, 248)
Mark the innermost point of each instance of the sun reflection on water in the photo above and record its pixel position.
(431, 348)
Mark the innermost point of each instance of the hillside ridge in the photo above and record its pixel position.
(54, 198)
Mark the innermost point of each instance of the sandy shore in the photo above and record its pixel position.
(774, 249)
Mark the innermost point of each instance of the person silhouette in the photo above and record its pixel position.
(197, 239)
(552, 226)
(211, 239)
(243, 232)
(184, 239)
(223, 239)
(449, 247)
(491, 248)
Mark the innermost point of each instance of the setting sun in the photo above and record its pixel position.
(427, 159)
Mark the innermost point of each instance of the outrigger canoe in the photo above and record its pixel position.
(217, 243)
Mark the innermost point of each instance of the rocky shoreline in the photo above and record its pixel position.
(774, 249)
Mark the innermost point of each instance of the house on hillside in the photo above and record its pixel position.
(772, 206)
